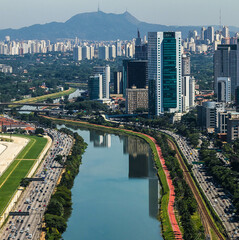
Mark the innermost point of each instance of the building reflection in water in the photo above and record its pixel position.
(100, 139)
(141, 165)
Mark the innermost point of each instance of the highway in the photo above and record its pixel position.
(218, 198)
(37, 195)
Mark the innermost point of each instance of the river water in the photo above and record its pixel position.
(115, 195)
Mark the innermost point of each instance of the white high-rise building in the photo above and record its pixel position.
(224, 89)
(86, 52)
(203, 30)
(112, 52)
(92, 52)
(118, 48)
(188, 93)
(104, 52)
(164, 72)
(77, 53)
(210, 34)
(192, 92)
(225, 32)
(105, 72)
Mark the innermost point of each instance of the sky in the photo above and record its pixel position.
(22, 13)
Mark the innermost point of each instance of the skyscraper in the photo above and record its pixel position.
(210, 34)
(226, 64)
(224, 89)
(118, 84)
(104, 52)
(92, 52)
(86, 52)
(134, 74)
(164, 72)
(105, 72)
(186, 66)
(118, 48)
(188, 93)
(95, 87)
(141, 50)
(203, 30)
(77, 53)
(112, 52)
(225, 32)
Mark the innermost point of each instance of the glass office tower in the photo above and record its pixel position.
(164, 72)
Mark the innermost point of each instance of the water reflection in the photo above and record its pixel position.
(141, 164)
(100, 139)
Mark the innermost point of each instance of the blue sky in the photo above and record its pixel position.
(20, 13)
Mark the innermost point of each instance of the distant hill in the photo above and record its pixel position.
(93, 26)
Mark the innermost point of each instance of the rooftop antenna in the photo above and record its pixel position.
(220, 20)
(98, 6)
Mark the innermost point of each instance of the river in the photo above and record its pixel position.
(115, 195)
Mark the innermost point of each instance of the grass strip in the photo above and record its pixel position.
(13, 182)
(11, 178)
(45, 97)
(33, 148)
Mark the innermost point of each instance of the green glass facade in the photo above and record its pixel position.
(94, 87)
(169, 71)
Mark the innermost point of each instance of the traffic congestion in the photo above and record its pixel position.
(218, 198)
(36, 196)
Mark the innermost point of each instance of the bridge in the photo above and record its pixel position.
(32, 104)
(35, 179)
(19, 214)
(126, 115)
(35, 110)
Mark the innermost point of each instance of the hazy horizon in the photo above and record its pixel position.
(17, 14)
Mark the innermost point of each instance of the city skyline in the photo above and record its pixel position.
(24, 13)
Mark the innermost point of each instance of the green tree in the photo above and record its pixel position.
(55, 208)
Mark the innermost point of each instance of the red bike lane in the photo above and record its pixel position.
(171, 213)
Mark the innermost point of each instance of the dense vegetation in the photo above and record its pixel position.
(54, 69)
(86, 106)
(202, 70)
(184, 199)
(188, 128)
(231, 151)
(59, 208)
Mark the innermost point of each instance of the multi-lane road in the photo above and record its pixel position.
(37, 195)
(219, 199)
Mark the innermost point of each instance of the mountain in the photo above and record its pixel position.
(93, 26)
